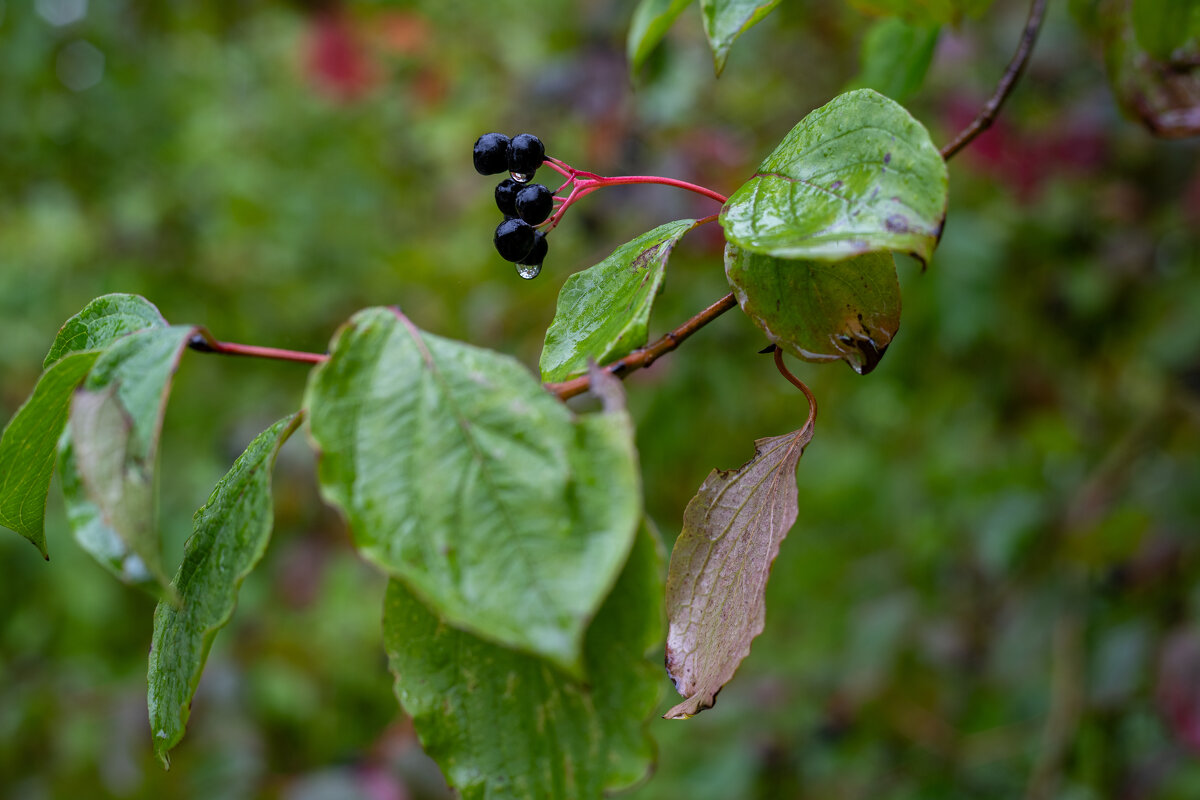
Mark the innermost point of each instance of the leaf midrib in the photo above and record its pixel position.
(478, 454)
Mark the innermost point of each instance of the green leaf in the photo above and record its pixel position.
(103, 321)
(506, 725)
(1161, 26)
(726, 20)
(925, 12)
(820, 311)
(651, 21)
(717, 581)
(93, 535)
(229, 536)
(116, 419)
(857, 175)
(27, 448)
(896, 56)
(604, 311)
(28, 444)
(461, 475)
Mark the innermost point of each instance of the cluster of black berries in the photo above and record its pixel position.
(523, 204)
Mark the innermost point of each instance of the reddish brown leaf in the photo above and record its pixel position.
(717, 580)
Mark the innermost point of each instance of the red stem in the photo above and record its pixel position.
(622, 180)
(799, 384)
(203, 342)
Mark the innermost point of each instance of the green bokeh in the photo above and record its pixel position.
(994, 573)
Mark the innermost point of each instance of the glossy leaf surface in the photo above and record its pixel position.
(726, 20)
(717, 579)
(650, 23)
(461, 475)
(820, 311)
(857, 175)
(229, 536)
(116, 419)
(604, 311)
(506, 725)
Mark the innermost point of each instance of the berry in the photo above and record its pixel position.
(537, 254)
(534, 203)
(491, 153)
(514, 239)
(506, 197)
(525, 154)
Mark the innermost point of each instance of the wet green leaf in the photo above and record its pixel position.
(28, 444)
(726, 20)
(503, 724)
(895, 57)
(103, 321)
(1160, 26)
(27, 448)
(857, 175)
(717, 580)
(820, 311)
(461, 475)
(116, 419)
(651, 21)
(229, 536)
(604, 311)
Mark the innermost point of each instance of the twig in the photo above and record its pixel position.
(203, 342)
(640, 359)
(1037, 12)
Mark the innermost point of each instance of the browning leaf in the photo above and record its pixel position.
(717, 580)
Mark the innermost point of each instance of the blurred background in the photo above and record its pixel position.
(992, 590)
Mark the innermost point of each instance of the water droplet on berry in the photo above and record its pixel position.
(521, 177)
(530, 271)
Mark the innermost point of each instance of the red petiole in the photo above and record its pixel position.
(582, 183)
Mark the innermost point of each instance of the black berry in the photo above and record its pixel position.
(491, 153)
(506, 196)
(537, 254)
(514, 239)
(525, 154)
(534, 203)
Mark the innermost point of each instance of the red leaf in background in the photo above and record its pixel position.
(1178, 690)
(1024, 159)
(336, 60)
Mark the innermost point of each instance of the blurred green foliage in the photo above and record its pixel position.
(992, 588)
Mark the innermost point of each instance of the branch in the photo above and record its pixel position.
(639, 359)
(203, 342)
(1037, 12)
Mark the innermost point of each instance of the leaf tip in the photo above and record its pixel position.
(36, 538)
(692, 706)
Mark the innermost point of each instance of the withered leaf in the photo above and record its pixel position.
(717, 580)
